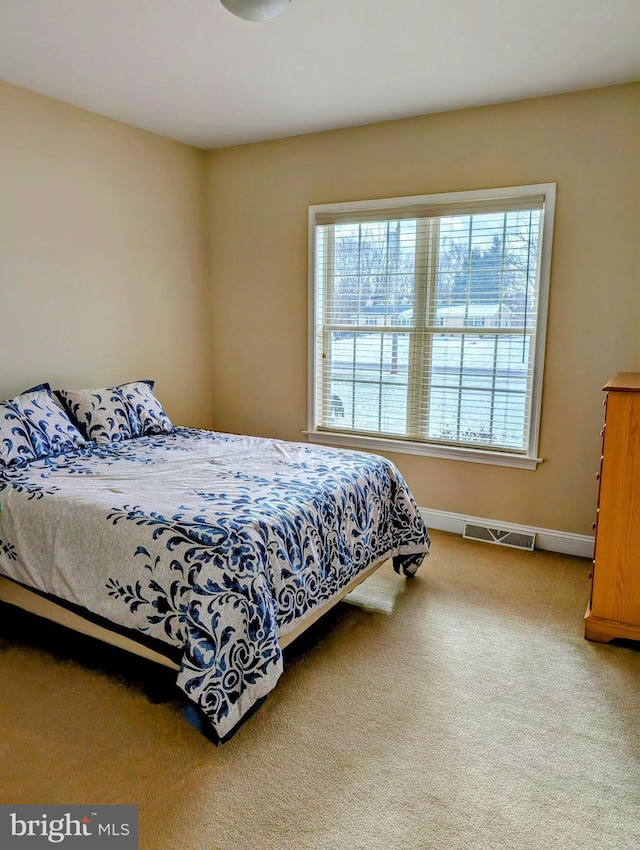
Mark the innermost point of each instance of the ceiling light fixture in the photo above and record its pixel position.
(255, 10)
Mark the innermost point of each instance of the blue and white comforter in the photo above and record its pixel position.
(214, 543)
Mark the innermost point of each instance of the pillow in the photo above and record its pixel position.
(50, 429)
(32, 426)
(102, 415)
(117, 413)
(16, 445)
(150, 413)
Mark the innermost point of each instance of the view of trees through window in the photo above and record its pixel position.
(427, 326)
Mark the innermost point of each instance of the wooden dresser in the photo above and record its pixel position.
(614, 610)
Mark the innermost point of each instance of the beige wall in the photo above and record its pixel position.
(103, 267)
(103, 262)
(585, 142)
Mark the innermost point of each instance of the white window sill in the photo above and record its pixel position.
(383, 444)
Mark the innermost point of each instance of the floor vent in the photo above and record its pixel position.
(516, 539)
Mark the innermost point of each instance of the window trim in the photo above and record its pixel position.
(527, 460)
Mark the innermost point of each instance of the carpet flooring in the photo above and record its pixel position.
(460, 709)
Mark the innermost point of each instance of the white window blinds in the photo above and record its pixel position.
(428, 318)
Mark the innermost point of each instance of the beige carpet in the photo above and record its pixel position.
(462, 709)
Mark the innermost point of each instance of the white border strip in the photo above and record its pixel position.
(546, 538)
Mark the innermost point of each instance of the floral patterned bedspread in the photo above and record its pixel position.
(214, 543)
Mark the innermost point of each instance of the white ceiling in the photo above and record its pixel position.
(189, 70)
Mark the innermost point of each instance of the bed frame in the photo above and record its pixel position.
(35, 603)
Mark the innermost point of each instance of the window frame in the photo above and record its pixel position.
(501, 457)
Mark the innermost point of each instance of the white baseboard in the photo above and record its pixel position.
(546, 538)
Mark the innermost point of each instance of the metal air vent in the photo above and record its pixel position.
(500, 537)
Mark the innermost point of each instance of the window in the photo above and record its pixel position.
(428, 317)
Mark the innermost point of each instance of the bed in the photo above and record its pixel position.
(204, 551)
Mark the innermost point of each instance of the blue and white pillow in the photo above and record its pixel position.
(16, 445)
(149, 411)
(32, 426)
(113, 414)
(102, 415)
(50, 429)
